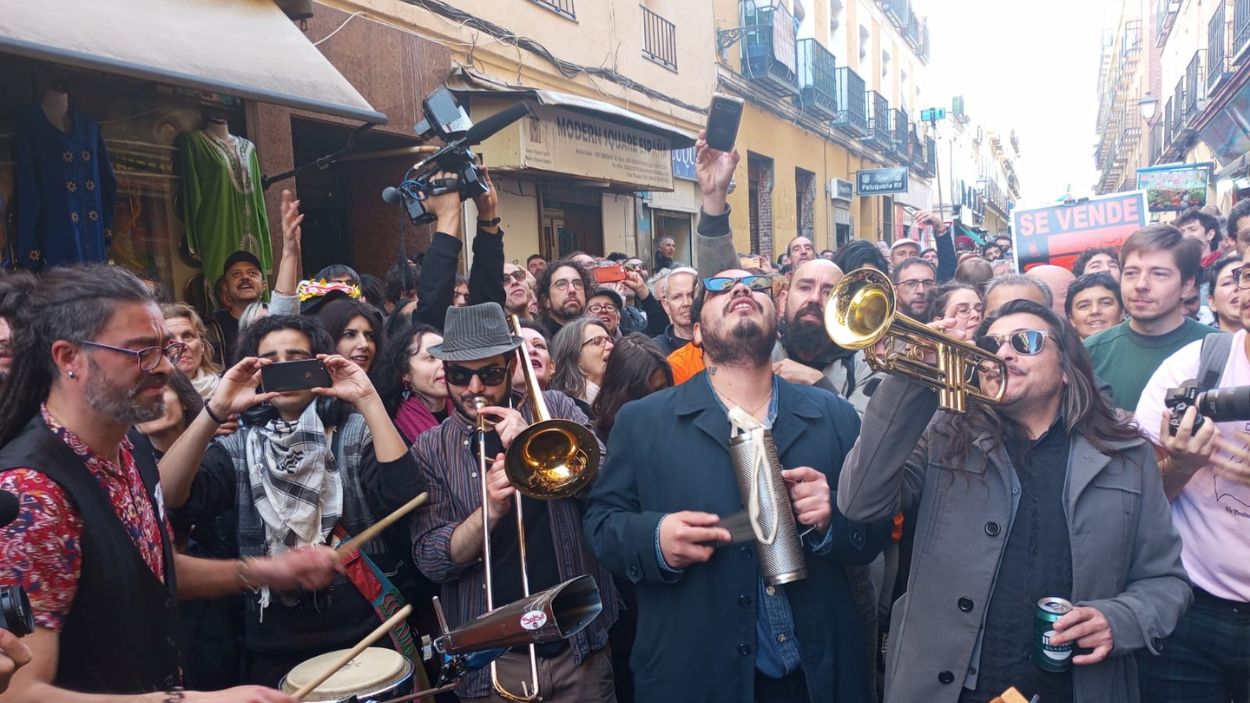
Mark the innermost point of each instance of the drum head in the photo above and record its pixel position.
(376, 669)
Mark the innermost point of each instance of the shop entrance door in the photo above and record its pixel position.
(572, 221)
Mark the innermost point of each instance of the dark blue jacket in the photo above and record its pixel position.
(696, 630)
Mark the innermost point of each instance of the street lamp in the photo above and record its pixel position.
(1148, 105)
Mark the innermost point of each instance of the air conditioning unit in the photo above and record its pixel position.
(840, 190)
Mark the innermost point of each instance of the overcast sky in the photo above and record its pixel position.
(1028, 66)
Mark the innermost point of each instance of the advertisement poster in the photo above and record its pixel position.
(1057, 234)
(1175, 187)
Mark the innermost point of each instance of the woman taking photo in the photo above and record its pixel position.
(410, 381)
(182, 324)
(1093, 304)
(356, 329)
(580, 353)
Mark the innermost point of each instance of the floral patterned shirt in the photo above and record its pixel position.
(41, 549)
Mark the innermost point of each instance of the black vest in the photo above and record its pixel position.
(120, 634)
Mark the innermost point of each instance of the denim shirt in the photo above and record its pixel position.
(776, 645)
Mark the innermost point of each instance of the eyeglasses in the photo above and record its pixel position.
(148, 358)
(965, 309)
(602, 307)
(1242, 276)
(913, 283)
(518, 276)
(489, 375)
(599, 342)
(1026, 342)
(563, 284)
(720, 284)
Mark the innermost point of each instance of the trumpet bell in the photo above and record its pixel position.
(861, 309)
(552, 459)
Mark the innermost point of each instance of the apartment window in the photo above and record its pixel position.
(864, 36)
(659, 40)
(560, 7)
(885, 64)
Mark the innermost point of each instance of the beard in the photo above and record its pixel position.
(747, 342)
(123, 404)
(807, 339)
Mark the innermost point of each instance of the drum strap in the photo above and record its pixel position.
(386, 601)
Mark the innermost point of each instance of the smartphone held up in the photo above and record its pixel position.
(289, 376)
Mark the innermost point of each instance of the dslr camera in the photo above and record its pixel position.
(446, 119)
(1219, 404)
(15, 613)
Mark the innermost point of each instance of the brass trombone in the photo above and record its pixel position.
(548, 460)
(861, 313)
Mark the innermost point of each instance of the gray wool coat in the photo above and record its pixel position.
(1125, 552)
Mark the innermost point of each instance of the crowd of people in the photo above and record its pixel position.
(177, 524)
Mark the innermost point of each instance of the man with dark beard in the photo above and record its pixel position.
(90, 542)
(563, 288)
(804, 353)
(654, 516)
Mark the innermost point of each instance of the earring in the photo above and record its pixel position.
(407, 390)
(71, 374)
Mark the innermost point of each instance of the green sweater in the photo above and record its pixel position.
(1126, 360)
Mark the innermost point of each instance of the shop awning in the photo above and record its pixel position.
(466, 82)
(244, 48)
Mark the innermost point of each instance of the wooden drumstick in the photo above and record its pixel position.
(377, 527)
(364, 644)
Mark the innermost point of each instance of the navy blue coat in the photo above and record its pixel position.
(697, 630)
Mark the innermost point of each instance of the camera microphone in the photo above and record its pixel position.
(485, 129)
(8, 508)
(391, 195)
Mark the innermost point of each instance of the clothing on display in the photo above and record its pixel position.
(65, 192)
(223, 201)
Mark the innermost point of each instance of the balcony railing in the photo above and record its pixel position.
(917, 150)
(924, 42)
(852, 116)
(560, 7)
(912, 34)
(930, 156)
(769, 49)
(1168, 132)
(1217, 48)
(1192, 87)
(1165, 17)
(659, 39)
(1156, 143)
(899, 12)
(1178, 108)
(1241, 28)
(879, 120)
(816, 79)
(902, 132)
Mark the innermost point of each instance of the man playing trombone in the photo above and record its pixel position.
(479, 352)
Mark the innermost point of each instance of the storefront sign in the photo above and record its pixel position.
(1057, 234)
(683, 163)
(881, 181)
(1175, 187)
(568, 142)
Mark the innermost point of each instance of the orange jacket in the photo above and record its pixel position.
(686, 362)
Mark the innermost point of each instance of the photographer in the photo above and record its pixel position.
(1206, 475)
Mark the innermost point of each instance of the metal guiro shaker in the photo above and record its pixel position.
(755, 462)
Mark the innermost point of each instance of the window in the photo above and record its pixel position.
(563, 8)
(659, 40)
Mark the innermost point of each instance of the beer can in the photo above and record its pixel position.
(1047, 656)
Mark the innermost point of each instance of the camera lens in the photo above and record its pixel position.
(15, 613)
(1226, 404)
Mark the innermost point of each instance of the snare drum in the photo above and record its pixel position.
(377, 674)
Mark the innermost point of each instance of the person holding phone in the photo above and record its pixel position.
(349, 462)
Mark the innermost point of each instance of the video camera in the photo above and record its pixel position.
(447, 120)
(1219, 404)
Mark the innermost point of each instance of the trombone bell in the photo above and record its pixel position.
(862, 314)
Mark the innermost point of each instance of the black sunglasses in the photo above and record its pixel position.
(1026, 342)
(490, 375)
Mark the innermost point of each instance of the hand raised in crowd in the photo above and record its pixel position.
(446, 206)
(687, 537)
(508, 422)
(238, 694)
(14, 654)
(634, 281)
(714, 169)
(926, 217)
(810, 496)
(292, 218)
(488, 202)
(306, 568)
(1089, 629)
(1188, 450)
(794, 372)
(499, 490)
(350, 382)
(239, 388)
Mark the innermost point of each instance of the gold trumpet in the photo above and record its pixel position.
(548, 460)
(861, 314)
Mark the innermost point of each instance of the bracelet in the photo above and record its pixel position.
(175, 694)
(244, 580)
(208, 409)
(493, 222)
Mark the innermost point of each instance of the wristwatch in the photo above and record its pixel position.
(490, 223)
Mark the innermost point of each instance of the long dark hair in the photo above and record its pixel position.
(1086, 411)
(71, 303)
(392, 364)
(635, 358)
(337, 314)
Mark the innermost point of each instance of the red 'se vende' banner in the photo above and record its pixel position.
(1057, 234)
